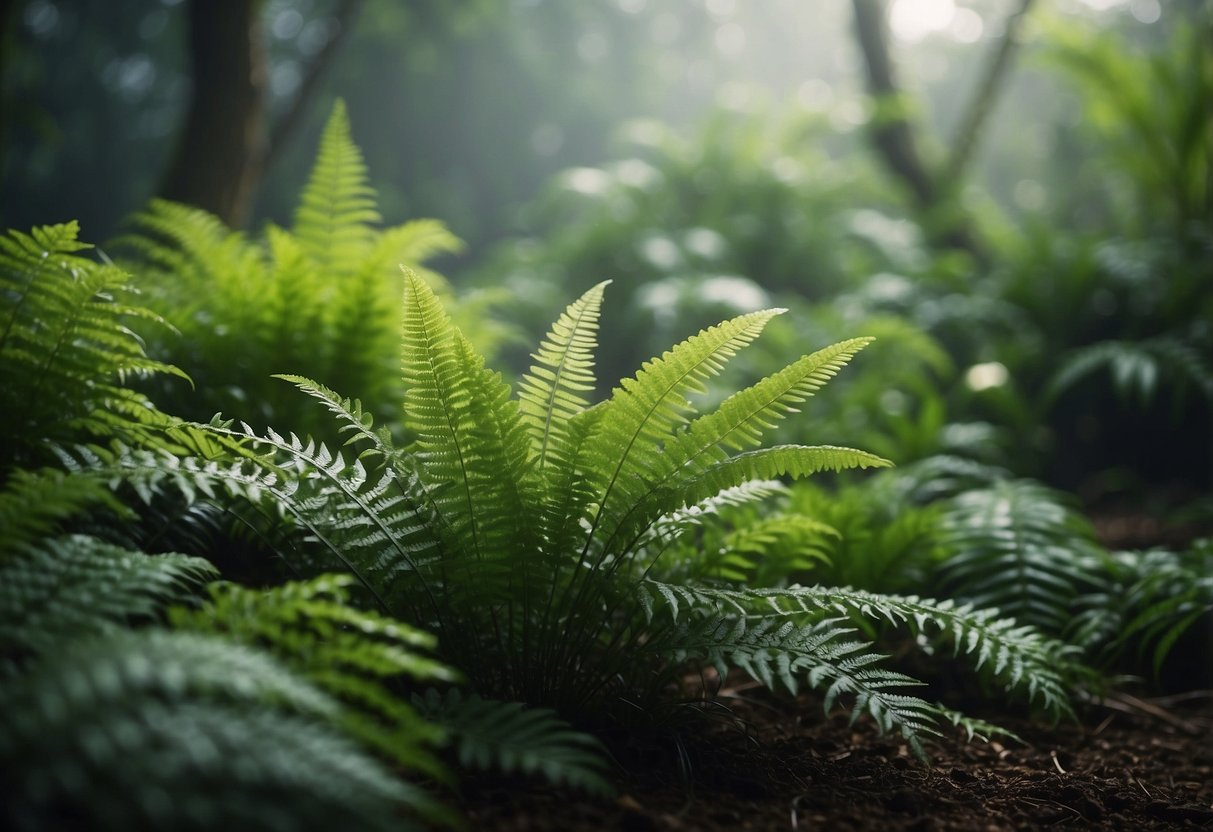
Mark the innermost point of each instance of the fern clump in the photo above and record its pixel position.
(320, 299)
(67, 348)
(533, 535)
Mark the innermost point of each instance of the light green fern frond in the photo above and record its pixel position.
(553, 392)
(641, 413)
(337, 208)
(472, 449)
(66, 347)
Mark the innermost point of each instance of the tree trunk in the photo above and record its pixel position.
(893, 138)
(221, 153)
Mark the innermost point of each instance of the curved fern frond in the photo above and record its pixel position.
(105, 729)
(347, 652)
(739, 423)
(75, 585)
(1137, 368)
(642, 411)
(32, 504)
(1018, 548)
(337, 207)
(552, 392)
(510, 737)
(795, 461)
(781, 652)
(66, 348)
(1017, 656)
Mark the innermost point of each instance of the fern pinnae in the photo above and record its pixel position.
(551, 393)
(740, 420)
(337, 206)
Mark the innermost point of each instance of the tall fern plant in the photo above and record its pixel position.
(528, 533)
(321, 298)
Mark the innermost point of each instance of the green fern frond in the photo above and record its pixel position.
(66, 348)
(103, 732)
(32, 504)
(510, 737)
(349, 653)
(1016, 656)
(75, 585)
(1137, 369)
(337, 208)
(642, 411)
(472, 449)
(1147, 601)
(1016, 547)
(782, 652)
(795, 461)
(553, 391)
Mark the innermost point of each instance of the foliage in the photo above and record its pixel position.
(510, 737)
(351, 654)
(104, 722)
(155, 729)
(1018, 548)
(114, 722)
(321, 299)
(66, 347)
(530, 537)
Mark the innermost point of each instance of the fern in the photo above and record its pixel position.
(66, 347)
(161, 730)
(336, 213)
(1017, 547)
(76, 585)
(1146, 602)
(1137, 369)
(320, 299)
(537, 537)
(510, 737)
(348, 653)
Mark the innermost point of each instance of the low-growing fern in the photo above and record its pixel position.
(530, 534)
(320, 299)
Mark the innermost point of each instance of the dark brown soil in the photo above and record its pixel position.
(1129, 764)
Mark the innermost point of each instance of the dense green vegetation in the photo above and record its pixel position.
(280, 548)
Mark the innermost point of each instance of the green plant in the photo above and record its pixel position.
(321, 299)
(111, 720)
(529, 534)
(112, 728)
(66, 347)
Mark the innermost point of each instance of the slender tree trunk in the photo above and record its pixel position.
(893, 138)
(221, 152)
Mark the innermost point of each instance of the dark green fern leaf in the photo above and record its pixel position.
(510, 737)
(159, 730)
(1016, 547)
(65, 587)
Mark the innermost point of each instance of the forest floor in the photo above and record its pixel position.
(1126, 764)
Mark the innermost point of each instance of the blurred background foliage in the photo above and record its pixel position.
(1016, 198)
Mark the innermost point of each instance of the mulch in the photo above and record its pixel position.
(1128, 764)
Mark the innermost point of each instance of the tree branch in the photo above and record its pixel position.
(288, 123)
(981, 103)
(893, 137)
